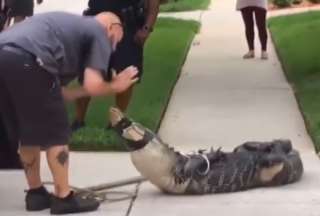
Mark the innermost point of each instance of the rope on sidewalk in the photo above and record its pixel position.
(101, 192)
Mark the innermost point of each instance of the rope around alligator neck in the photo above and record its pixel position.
(101, 192)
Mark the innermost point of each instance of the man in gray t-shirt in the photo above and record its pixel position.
(38, 58)
(64, 44)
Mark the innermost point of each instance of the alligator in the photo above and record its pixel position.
(249, 165)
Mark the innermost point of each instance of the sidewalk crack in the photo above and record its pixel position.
(133, 199)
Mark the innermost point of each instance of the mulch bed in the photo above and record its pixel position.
(303, 4)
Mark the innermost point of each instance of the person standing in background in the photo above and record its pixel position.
(138, 17)
(257, 8)
(18, 10)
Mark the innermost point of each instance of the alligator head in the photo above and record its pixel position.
(136, 136)
(154, 159)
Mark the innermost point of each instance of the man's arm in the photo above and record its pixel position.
(71, 94)
(94, 84)
(152, 13)
(151, 18)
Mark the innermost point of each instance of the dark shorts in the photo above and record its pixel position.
(20, 7)
(9, 157)
(31, 103)
(128, 53)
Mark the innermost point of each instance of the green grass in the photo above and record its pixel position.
(165, 53)
(184, 5)
(297, 38)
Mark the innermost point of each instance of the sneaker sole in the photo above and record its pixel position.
(88, 209)
(35, 207)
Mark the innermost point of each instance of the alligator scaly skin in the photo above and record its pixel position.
(252, 164)
(238, 171)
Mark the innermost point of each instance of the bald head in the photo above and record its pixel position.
(107, 18)
(112, 25)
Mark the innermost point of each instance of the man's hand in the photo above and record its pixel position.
(95, 85)
(141, 36)
(126, 78)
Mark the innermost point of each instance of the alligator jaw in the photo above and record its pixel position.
(135, 135)
(115, 116)
(267, 174)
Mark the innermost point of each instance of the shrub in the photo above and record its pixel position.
(282, 3)
(315, 1)
(296, 1)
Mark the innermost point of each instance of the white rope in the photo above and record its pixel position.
(102, 192)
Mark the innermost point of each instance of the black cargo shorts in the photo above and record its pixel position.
(31, 102)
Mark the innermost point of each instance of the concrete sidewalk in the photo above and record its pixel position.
(220, 100)
(86, 169)
(71, 6)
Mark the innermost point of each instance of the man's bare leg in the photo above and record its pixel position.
(30, 158)
(122, 102)
(64, 201)
(37, 197)
(82, 108)
(58, 160)
(123, 99)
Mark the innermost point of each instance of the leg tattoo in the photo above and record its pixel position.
(28, 165)
(63, 157)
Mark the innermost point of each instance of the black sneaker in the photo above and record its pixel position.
(37, 199)
(73, 203)
(76, 125)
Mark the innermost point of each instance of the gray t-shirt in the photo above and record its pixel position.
(64, 43)
(251, 3)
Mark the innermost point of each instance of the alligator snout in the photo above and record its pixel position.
(115, 116)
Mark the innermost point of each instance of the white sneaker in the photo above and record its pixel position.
(264, 55)
(249, 55)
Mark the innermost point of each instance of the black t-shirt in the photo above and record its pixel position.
(110, 5)
(65, 44)
(131, 12)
